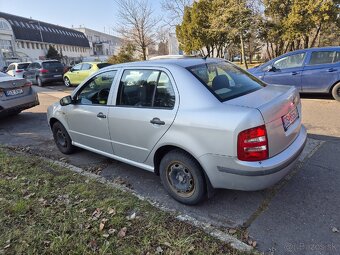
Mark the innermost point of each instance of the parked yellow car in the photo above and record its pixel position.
(81, 71)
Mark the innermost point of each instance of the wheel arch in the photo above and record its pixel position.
(160, 153)
(331, 87)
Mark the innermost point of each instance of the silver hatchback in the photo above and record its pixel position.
(198, 123)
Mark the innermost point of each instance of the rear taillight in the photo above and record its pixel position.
(19, 71)
(43, 71)
(28, 84)
(252, 144)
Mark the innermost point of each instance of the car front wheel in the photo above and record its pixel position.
(67, 82)
(336, 91)
(62, 138)
(182, 177)
(39, 82)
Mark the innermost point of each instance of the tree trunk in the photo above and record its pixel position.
(316, 36)
(268, 52)
(243, 52)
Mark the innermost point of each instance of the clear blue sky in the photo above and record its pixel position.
(92, 14)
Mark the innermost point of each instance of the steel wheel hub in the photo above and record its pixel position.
(180, 179)
(61, 138)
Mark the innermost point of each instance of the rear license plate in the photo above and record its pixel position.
(14, 92)
(289, 118)
(57, 75)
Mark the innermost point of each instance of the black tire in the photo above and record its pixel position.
(62, 138)
(40, 82)
(182, 177)
(336, 91)
(67, 82)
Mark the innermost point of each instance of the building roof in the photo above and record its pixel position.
(29, 30)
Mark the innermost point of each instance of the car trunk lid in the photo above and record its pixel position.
(53, 68)
(277, 105)
(11, 88)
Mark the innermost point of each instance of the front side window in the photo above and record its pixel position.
(324, 57)
(146, 88)
(225, 80)
(76, 67)
(96, 90)
(291, 61)
(86, 66)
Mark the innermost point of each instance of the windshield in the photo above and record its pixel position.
(225, 80)
(54, 64)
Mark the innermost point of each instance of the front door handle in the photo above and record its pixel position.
(331, 70)
(101, 115)
(157, 121)
(295, 73)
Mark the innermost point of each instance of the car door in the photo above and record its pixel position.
(74, 73)
(87, 116)
(321, 71)
(84, 72)
(146, 106)
(286, 70)
(30, 72)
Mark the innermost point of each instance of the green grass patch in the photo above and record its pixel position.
(45, 209)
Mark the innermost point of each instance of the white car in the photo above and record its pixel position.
(17, 69)
(196, 122)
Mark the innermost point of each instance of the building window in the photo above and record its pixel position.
(37, 46)
(33, 46)
(4, 26)
(23, 45)
(28, 45)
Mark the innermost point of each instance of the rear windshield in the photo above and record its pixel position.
(102, 65)
(23, 66)
(51, 64)
(225, 80)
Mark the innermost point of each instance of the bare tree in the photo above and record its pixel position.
(175, 10)
(137, 23)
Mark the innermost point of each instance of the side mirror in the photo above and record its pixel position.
(66, 101)
(271, 68)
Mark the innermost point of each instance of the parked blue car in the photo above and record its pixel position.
(314, 70)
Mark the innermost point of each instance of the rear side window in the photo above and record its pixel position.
(146, 88)
(324, 57)
(225, 80)
(54, 64)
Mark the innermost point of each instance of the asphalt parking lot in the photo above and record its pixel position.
(299, 215)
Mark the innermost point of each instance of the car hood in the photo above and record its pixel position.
(252, 70)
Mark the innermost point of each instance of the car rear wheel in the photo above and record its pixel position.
(336, 91)
(62, 138)
(67, 82)
(39, 82)
(182, 177)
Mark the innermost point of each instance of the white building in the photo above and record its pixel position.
(23, 39)
(101, 44)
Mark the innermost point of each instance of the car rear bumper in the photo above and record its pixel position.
(51, 79)
(230, 173)
(19, 104)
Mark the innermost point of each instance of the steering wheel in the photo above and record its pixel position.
(103, 95)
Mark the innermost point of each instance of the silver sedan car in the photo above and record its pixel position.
(197, 123)
(16, 95)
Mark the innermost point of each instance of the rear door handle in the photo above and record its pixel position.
(157, 121)
(101, 115)
(331, 70)
(295, 73)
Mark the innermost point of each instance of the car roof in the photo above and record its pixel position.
(182, 62)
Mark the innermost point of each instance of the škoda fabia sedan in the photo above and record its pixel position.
(197, 123)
